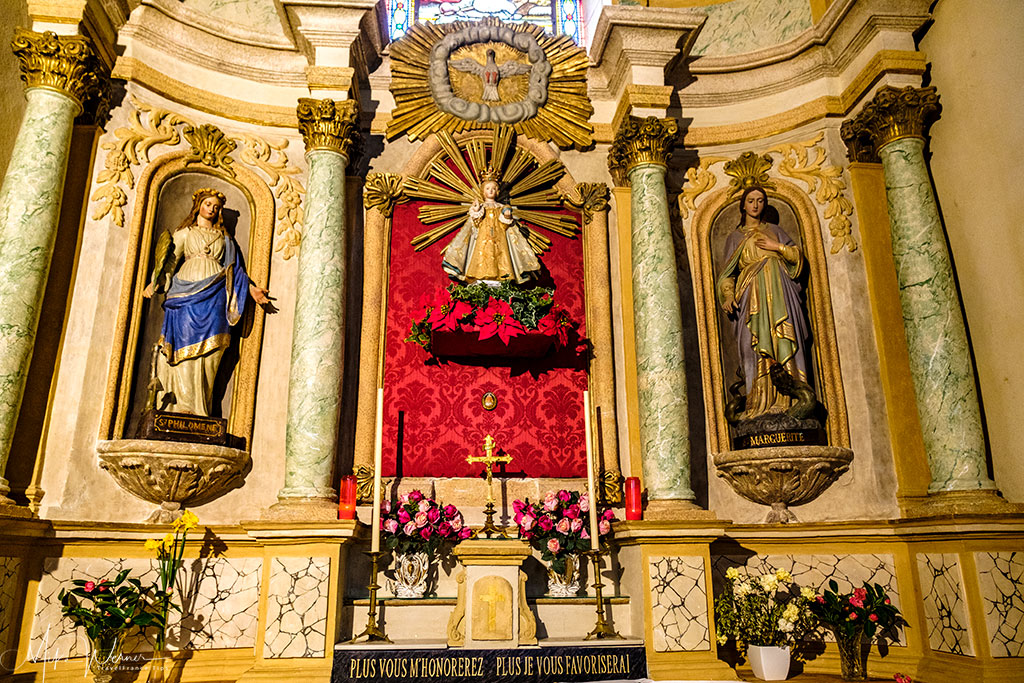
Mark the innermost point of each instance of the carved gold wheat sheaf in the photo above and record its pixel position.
(150, 126)
(802, 161)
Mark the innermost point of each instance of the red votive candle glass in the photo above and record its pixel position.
(347, 497)
(634, 504)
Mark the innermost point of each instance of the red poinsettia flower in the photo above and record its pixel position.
(556, 324)
(497, 319)
(447, 313)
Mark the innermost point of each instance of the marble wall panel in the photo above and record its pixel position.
(220, 598)
(746, 25)
(945, 612)
(679, 604)
(1001, 578)
(10, 568)
(297, 607)
(815, 571)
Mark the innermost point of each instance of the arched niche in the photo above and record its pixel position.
(378, 247)
(714, 219)
(163, 198)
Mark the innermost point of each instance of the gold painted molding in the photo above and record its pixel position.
(819, 314)
(641, 141)
(132, 70)
(893, 114)
(129, 318)
(67, 64)
(330, 125)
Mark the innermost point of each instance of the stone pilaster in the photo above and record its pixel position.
(638, 156)
(894, 124)
(329, 130)
(59, 73)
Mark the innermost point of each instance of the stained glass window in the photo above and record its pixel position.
(554, 16)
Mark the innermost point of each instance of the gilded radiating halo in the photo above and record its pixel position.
(546, 99)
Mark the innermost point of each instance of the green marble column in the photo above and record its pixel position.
(314, 386)
(641, 150)
(59, 73)
(940, 360)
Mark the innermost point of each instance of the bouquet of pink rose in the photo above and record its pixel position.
(557, 526)
(417, 524)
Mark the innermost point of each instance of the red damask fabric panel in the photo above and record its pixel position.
(539, 416)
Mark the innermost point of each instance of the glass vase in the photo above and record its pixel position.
(105, 652)
(411, 571)
(853, 656)
(565, 584)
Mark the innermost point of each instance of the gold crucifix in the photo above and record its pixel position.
(489, 459)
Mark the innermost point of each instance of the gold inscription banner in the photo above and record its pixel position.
(546, 665)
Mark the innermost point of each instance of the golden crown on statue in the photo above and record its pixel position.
(490, 175)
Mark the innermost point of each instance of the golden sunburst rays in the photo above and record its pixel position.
(452, 184)
(563, 118)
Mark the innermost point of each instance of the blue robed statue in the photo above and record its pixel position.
(201, 268)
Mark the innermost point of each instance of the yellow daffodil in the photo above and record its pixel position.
(168, 541)
(186, 522)
(153, 544)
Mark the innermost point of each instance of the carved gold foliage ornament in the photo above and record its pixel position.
(149, 126)
(525, 185)
(270, 157)
(326, 124)
(641, 141)
(383, 191)
(611, 487)
(476, 75)
(593, 198)
(749, 170)
(698, 181)
(64, 63)
(892, 114)
(210, 147)
(802, 161)
(825, 182)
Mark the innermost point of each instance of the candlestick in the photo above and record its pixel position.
(590, 473)
(378, 446)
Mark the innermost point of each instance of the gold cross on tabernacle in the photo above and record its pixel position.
(489, 459)
(493, 598)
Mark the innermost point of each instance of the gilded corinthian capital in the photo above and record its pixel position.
(641, 141)
(892, 114)
(64, 63)
(326, 124)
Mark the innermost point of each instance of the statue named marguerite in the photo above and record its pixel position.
(200, 267)
(492, 246)
(760, 291)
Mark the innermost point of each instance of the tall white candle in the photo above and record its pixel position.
(591, 492)
(378, 446)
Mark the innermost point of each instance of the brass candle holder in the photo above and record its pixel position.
(372, 633)
(602, 630)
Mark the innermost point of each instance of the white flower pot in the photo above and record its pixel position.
(769, 663)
